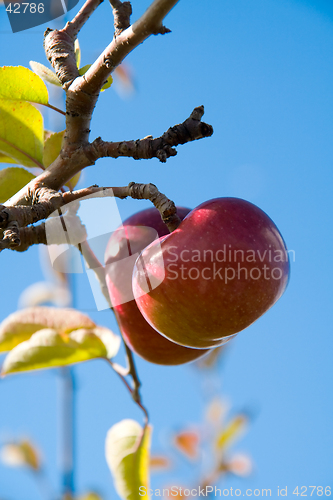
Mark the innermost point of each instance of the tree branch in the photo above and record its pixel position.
(73, 27)
(121, 12)
(14, 219)
(44, 201)
(161, 147)
(164, 205)
(134, 374)
(69, 162)
(82, 92)
(81, 97)
(149, 23)
(28, 236)
(59, 50)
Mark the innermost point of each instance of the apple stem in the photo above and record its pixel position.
(164, 205)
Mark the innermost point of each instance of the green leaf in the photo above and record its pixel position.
(84, 69)
(127, 454)
(106, 85)
(73, 181)
(45, 73)
(47, 134)
(77, 52)
(52, 147)
(21, 132)
(20, 325)
(48, 348)
(21, 84)
(6, 159)
(12, 179)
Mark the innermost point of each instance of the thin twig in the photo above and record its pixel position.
(132, 392)
(162, 147)
(134, 374)
(63, 168)
(98, 268)
(73, 27)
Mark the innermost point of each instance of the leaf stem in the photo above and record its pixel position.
(48, 105)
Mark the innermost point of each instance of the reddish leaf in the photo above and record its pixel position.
(160, 462)
(188, 443)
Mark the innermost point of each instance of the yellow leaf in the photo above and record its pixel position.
(91, 495)
(127, 454)
(47, 349)
(231, 432)
(6, 159)
(77, 52)
(20, 454)
(106, 85)
(12, 179)
(21, 84)
(52, 147)
(21, 132)
(19, 326)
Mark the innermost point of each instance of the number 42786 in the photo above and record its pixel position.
(25, 8)
(319, 491)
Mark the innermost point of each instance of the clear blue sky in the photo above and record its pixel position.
(264, 71)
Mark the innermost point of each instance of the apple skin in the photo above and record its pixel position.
(197, 306)
(137, 333)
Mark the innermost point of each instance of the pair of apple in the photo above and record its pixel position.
(178, 295)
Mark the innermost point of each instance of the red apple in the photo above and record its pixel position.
(224, 267)
(122, 250)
